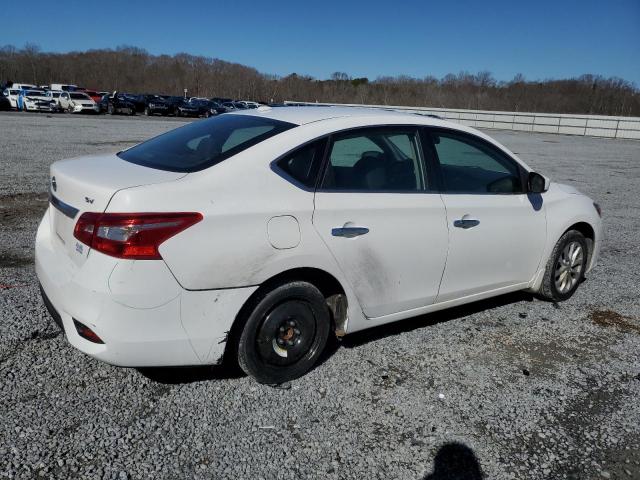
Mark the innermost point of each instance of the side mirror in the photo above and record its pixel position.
(536, 183)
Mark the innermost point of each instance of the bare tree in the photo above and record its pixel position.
(132, 69)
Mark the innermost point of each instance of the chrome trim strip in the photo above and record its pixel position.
(65, 208)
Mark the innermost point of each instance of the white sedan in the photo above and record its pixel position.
(36, 101)
(253, 236)
(77, 102)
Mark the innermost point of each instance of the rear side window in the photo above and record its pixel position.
(303, 164)
(375, 160)
(204, 143)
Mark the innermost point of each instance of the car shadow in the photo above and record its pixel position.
(455, 461)
(184, 375)
(230, 370)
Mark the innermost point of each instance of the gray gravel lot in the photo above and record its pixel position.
(508, 388)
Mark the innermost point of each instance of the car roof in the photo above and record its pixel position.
(301, 115)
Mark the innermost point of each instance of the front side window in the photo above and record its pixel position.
(380, 159)
(470, 165)
(304, 163)
(202, 144)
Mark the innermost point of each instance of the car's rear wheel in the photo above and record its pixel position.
(111, 109)
(565, 268)
(285, 332)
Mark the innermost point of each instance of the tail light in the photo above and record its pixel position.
(135, 236)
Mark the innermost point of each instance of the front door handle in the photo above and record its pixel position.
(465, 222)
(349, 232)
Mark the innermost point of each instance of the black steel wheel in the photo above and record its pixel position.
(285, 332)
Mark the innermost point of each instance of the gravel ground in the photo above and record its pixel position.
(508, 388)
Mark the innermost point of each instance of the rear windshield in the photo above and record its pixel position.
(79, 96)
(203, 143)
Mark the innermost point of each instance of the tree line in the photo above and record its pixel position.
(134, 70)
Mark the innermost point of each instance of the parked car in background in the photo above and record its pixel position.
(77, 102)
(249, 104)
(230, 106)
(24, 86)
(54, 95)
(187, 109)
(36, 101)
(206, 108)
(117, 103)
(21, 96)
(156, 105)
(139, 101)
(63, 86)
(95, 96)
(5, 104)
(212, 108)
(12, 95)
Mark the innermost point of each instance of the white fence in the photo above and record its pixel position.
(567, 124)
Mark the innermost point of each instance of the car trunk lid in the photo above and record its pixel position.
(87, 184)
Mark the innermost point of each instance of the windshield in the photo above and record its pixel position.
(202, 144)
(34, 93)
(79, 96)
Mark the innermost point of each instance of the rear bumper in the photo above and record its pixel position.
(137, 308)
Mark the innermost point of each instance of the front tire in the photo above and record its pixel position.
(566, 267)
(285, 332)
(147, 111)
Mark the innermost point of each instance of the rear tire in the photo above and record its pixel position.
(111, 110)
(565, 268)
(285, 332)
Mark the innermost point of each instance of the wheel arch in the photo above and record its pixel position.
(587, 230)
(330, 287)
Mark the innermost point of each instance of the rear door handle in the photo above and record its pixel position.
(466, 223)
(349, 232)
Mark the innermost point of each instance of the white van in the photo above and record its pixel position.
(63, 86)
(23, 86)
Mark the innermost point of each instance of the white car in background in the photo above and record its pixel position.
(54, 95)
(249, 104)
(77, 102)
(12, 94)
(37, 101)
(254, 235)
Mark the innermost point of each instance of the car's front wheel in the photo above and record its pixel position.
(147, 111)
(285, 332)
(565, 268)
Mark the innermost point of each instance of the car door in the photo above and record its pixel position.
(376, 211)
(496, 230)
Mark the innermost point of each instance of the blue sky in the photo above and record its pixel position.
(540, 38)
